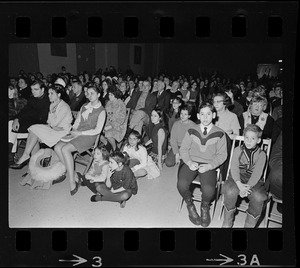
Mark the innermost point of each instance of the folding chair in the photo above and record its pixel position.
(20, 137)
(121, 143)
(80, 158)
(197, 197)
(266, 146)
(270, 215)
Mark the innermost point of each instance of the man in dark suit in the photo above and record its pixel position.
(77, 96)
(142, 103)
(163, 96)
(132, 89)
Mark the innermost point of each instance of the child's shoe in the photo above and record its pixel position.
(205, 215)
(228, 218)
(79, 176)
(251, 221)
(193, 214)
(96, 198)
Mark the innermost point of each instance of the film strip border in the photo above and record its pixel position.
(131, 28)
(152, 22)
(148, 247)
(95, 22)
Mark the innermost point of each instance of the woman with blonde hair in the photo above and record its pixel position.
(256, 115)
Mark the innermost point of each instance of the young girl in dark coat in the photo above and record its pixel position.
(120, 184)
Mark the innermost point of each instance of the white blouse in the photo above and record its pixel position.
(61, 116)
(140, 154)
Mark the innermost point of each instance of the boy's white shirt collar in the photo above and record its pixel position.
(208, 127)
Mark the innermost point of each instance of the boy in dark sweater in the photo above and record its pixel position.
(246, 178)
(203, 150)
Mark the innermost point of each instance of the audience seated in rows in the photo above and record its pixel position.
(162, 110)
(141, 104)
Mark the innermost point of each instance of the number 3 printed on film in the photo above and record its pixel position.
(98, 261)
(79, 260)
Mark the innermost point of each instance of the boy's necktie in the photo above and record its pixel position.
(205, 131)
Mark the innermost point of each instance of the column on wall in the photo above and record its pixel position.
(157, 57)
(123, 56)
(106, 54)
(86, 57)
(137, 58)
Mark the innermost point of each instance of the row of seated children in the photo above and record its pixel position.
(112, 176)
(104, 178)
(109, 177)
(202, 151)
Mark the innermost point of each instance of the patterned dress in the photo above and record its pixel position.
(116, 118)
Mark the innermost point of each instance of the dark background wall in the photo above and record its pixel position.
(85, 54)
(149, 59)
(233, 60)
(23, 56)
(123, 56)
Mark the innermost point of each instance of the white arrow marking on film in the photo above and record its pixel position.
(79, 260)
(226, 260)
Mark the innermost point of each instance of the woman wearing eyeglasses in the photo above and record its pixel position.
(227, 121)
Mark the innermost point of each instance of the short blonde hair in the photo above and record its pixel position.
(259, 98)
(254, 128)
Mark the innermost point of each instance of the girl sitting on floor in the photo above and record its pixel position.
(138, 156)
(120, 183)
(139, 161)
(158, 138)
(98, 171)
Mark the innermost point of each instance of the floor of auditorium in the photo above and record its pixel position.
(155, 206)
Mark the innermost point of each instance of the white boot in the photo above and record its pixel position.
(228, 218)
(251, 221)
